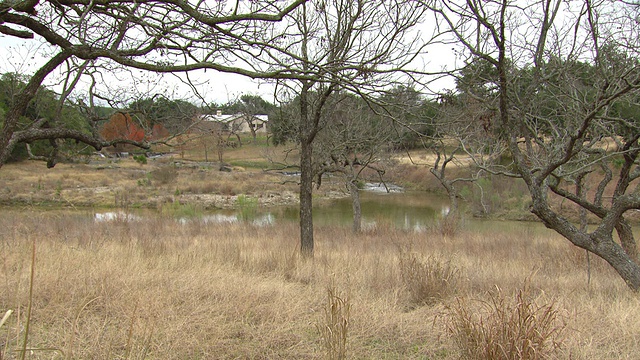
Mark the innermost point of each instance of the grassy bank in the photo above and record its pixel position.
(160, 290)
(182, 176)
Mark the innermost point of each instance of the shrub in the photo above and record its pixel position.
(427, 281)
(448, 225)
(140, 159)
(506, 330)
(177, 210)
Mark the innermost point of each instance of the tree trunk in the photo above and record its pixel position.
(305, 133)
(598, 242)
(453, 201)
(306, 202)
(21, 101)
(627, 240)
(618, 258)
(355, 204)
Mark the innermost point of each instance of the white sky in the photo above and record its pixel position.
(26, 56)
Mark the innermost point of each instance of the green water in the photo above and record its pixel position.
(409, 210)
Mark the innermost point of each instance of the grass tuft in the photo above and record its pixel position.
(502, 328)
(427, 281)
(335, 328)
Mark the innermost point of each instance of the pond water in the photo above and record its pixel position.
(405, 210)
(409, 211)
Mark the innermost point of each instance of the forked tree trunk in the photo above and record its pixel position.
(598, 242)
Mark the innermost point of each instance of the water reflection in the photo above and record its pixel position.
(266, 219)
(116, 216)
(411, 211)
(216, 218)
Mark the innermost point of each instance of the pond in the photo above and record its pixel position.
(405, 210)
(409, 211)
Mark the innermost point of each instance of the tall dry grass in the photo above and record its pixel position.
(156, 289)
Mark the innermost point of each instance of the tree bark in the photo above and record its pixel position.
(355, 204)
(7, 140)
(306, 175)
(306, 200)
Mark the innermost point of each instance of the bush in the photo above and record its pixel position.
(448, 225)
(506, 330)
(178, 210)
(140, 159)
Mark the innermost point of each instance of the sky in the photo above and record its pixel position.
(26, 56)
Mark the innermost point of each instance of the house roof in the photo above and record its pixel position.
(229, 118)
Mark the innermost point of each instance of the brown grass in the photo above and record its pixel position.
(506, 329)
(160, 290)
(125, 183)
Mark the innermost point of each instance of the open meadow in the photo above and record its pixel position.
(158, 289)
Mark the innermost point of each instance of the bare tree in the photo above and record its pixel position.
(355, 144)
(565, 90)
(90, 39)
(334, 46)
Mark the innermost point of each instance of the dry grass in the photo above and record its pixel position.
(156, 289)
(505, 329)
(334, 330)
(125, 183)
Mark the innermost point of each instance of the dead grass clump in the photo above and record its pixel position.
(335, 327)
(202, 188)
(227, 189)
(164, 175)
(449, 225)
(427, 281)
(502, 328)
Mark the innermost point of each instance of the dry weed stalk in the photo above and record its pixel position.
(335, 328)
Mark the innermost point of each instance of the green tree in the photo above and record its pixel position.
(412, 113)
(46, 108)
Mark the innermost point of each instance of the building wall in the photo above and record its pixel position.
(232, 123)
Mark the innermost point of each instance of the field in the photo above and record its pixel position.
(155, 288)
(160, 290)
